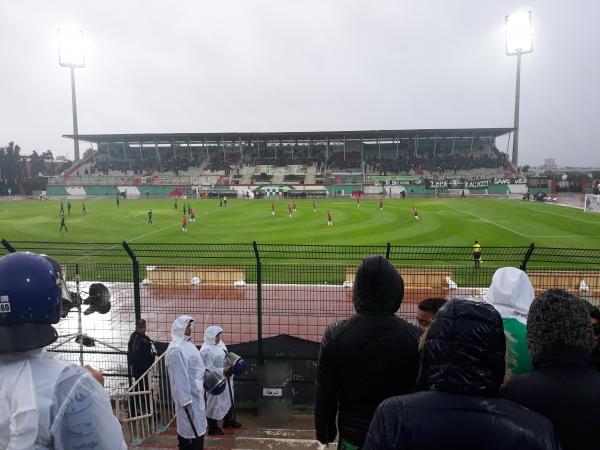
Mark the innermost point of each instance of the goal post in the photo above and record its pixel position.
(591, 203)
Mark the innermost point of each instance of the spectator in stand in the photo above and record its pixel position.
(462, 368)
(511, 293)
(563, 386)
(427, 309)
(365, 359)
(595, 316)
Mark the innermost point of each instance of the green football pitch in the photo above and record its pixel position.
(441, 222)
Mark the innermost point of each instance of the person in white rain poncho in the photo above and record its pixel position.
(186, 375)
(511, 294)
(218, 407)
(45, 403)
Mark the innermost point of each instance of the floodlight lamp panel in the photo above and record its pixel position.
(71, 47)
(519, 33)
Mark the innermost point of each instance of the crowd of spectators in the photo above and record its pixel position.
(515, 371)
(103, 167)
(220, 163)
(445, 163)
(287, 160)
(140, 167)
(348, 162)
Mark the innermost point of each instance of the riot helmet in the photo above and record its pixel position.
(31, 293)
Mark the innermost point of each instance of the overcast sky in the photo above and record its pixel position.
(306, 65)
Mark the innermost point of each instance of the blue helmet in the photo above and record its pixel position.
(31, 291)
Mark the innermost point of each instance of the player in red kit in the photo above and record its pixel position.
(416, 213)
(329, 219)
(314, 206)
(381, 205)
(358, 201)
(294, 205)
(184, 223)
(290, 210)
(273, 208)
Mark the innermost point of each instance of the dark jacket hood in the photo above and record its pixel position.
(378, 287)
(464, 350)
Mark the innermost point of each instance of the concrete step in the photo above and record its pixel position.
(299, 433)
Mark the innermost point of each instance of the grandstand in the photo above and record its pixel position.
(158, 164)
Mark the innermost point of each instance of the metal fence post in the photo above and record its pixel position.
(528, 254)
(7, 246)
(388, 249)
(135, 267)
(259, 339)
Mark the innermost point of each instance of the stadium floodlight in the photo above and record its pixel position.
(519, 40)
(70, 47)
(519, 33)
(71, 54)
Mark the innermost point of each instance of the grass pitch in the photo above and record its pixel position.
(442, 222)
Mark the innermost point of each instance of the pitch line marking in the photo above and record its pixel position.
(147, 234)
(561, 236)
(569, 217)
(491, 222)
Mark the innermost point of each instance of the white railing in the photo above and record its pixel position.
(147, 406)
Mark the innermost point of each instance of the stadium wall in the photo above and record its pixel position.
(420, 188)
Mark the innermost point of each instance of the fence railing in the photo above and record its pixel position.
(147, 406)
(259, 292)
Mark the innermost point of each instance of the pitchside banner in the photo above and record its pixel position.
(450, 183)
(455, 183)
(398, 180)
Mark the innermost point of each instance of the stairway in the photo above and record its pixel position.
(298, 434)
(247, 173)
(311, 175)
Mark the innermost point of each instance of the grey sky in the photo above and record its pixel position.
(277, 65)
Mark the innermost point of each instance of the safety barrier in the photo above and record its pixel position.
(259, 292)
(147, 406)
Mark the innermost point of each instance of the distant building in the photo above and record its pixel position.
(550, 164)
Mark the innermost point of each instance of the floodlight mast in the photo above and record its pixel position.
(519, 40)
(71, 54)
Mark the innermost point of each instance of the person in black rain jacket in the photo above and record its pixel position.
(364, 359)
(462, 368)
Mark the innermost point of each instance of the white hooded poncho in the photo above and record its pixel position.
(511, 293)
(47, 403)
(213, 355)
(186, 375)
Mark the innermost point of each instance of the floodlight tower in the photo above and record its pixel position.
(71, 54)
(519, 40)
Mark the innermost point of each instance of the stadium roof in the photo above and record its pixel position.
(299, 135)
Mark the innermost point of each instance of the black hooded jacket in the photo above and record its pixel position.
(364, 359)
(563, 387)
(462, 367)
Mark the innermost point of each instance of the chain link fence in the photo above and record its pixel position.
(272, 300)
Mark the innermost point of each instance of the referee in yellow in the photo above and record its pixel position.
(477, 253)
